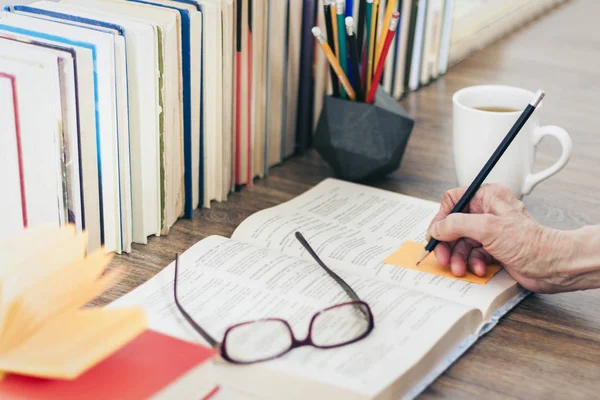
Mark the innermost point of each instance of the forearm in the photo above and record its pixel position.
(581, 267)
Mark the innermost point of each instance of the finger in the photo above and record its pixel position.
(460, 255)
(474, 243)
(498, 199)
(478, 261)
(449, 201)
(443, 251)
(480, 227)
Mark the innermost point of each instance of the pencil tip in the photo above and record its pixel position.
(423, 255)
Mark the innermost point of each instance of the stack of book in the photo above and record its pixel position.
(478, 23)
(122, 116)
(436, 34)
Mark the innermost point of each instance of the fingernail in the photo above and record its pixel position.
(480, 269)
(455, 269)
(438, 257)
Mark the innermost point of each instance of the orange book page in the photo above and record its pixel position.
(409, 253)
(67, 289)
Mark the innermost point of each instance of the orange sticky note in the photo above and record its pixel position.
(409, 253)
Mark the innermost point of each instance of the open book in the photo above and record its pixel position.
(46, 279)
(423, 322)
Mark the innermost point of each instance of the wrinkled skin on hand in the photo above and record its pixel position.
(495, 227)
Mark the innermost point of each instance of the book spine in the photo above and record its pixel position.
(238, 91)
(445, 40)
(250, 144)
(304, 116)
(417, 54)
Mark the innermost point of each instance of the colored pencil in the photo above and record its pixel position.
(354, 60)
(391, 6)
(371, 45)
(365, 56)
(340, 6)
(360, 28)
(334, 62)
(391, 31)
(336, 42)
(330, 40)
(376, 13)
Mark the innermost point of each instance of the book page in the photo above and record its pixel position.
(354, 228)
(223, 282)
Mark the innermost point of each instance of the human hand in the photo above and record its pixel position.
(495, 227)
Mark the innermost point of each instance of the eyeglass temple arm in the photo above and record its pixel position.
(189, 319)
(339, 280)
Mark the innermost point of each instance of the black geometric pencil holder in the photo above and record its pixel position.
(362, 141)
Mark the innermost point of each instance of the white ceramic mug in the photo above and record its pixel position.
(477, 133)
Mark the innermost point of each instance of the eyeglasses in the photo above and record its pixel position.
(265, 339)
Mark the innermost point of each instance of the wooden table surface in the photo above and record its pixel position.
(549, 346)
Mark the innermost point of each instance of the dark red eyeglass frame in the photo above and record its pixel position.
(356, 301)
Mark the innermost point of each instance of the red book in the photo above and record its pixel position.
(138, 370)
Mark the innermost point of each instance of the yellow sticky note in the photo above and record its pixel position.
(409, 253)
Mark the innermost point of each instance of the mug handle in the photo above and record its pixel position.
(565, 141)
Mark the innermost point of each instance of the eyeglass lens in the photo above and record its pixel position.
(265, 339)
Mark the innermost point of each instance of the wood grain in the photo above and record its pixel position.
(549, 347)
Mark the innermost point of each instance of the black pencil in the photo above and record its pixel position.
(330, 40)
(354, 63)
(360, 26)
(489, 165)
